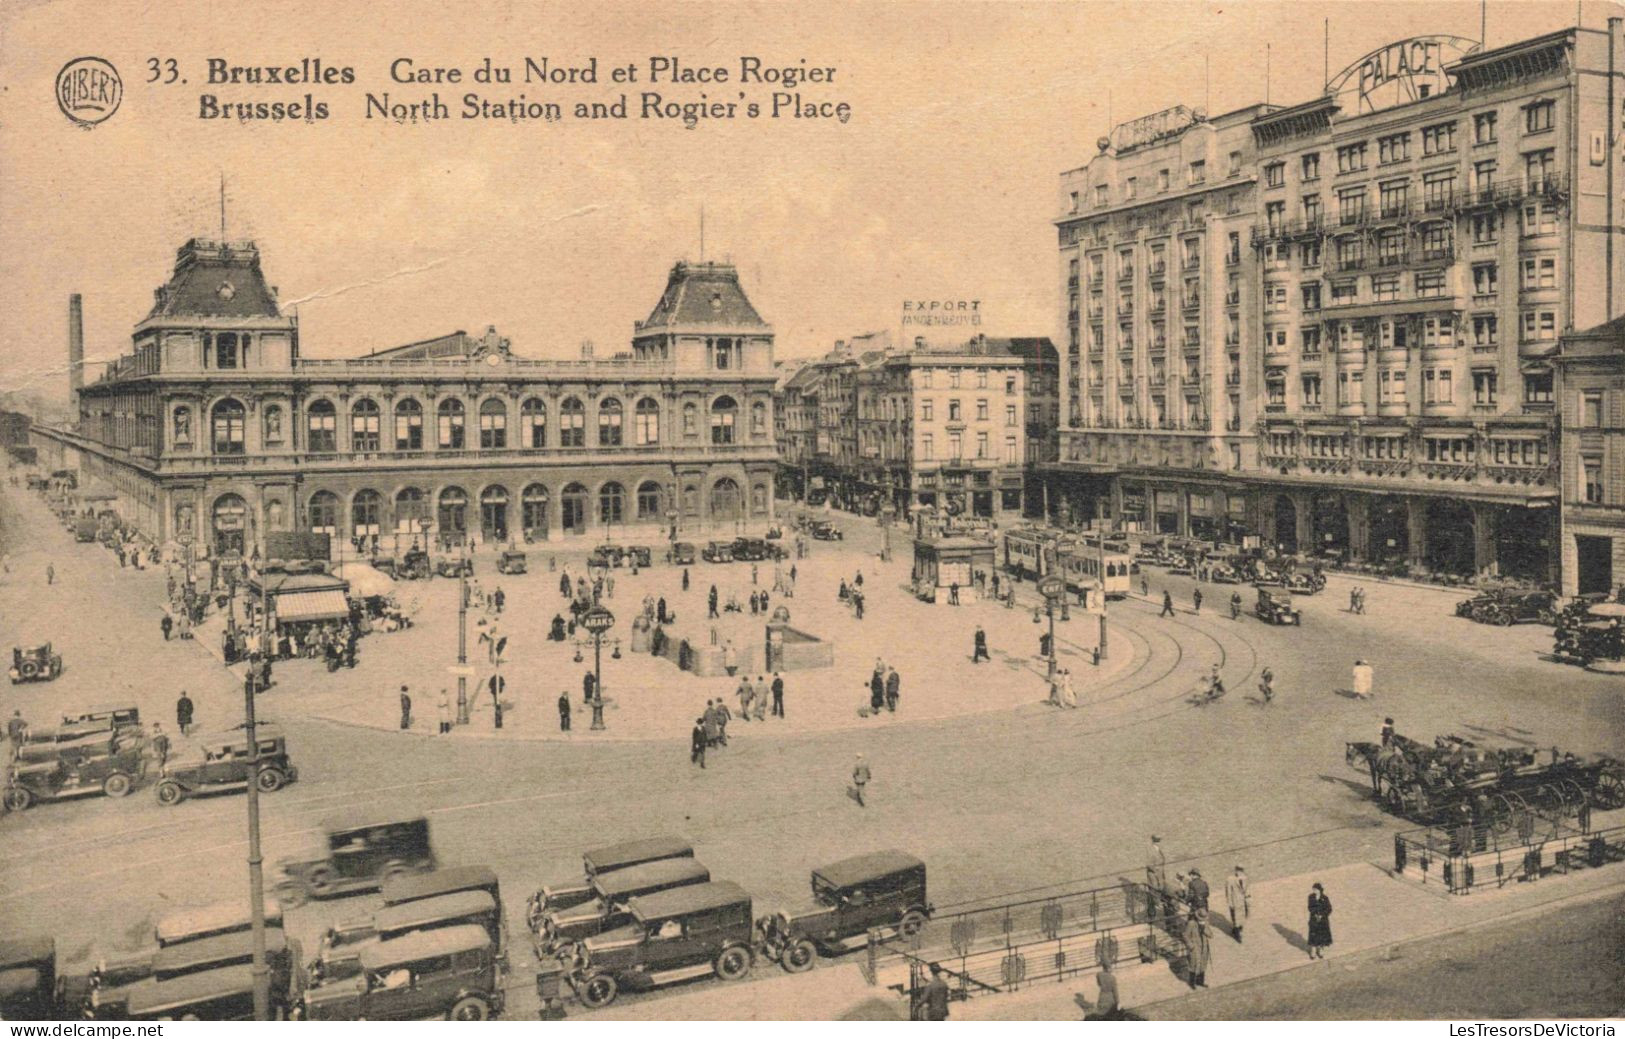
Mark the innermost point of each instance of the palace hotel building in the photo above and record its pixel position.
(1332, 325)
(215, 428)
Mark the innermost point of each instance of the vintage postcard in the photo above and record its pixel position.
(835, 511)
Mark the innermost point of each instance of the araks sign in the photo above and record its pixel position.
(1399, 73)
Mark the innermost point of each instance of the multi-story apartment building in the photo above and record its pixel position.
(1424, 238)
(795, 415)
(1591, 395)
(1156, 275)
(215, 429)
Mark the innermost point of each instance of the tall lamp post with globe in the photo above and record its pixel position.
(598, 620)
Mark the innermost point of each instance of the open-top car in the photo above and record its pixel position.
(34, 664)
(561, 929)
(221, 763)
(682, 554)
(884, 889)
(687, 932)
(1274, 606)
(824, 530)
(448, 971)
(573, 891)
(718, 552)
(358, 852)
(28, 979)
(113, 772)
(511, 563)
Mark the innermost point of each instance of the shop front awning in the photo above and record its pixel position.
(322, 605)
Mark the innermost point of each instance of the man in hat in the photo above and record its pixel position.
(696, 743)
(564, 711)
(1199, 952)
(1156, 865)
(860, 779)
(1196, 891)
(1240, 901)
(406, 711)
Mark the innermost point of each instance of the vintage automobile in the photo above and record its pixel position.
(608, 556)
(103, 994)
(358, 853)
(576, 890)
(227, 950)
(222, 994)
(1303, 582)
(453, 566)
(639, 556)
(34, 664)
(104, 717)
(28, 979)
(824, 530)
(682, 554)
(684, 933)
(114, 772)
(185, 925)
(451, 971)
(44, 746)
(339, 954)
(884, 889)
(511, 563)
(750, 550)
(1224, 573)
(413, 886)
(561, 929)
(1276, 607)
(1506, 606)
(718, 552)
(220, 764)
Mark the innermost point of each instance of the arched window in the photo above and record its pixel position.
(726, 503)
(408, 425)
(322, 424)
(648, 422)
(493, 425)
(451, 424)
(366, 426)
(226, 427)
(182, 427)
(494, 513)
(533, 506)
(758, 419)
(453, 512)
(573, 509)
(691, 420)
(273, 423)
(230, 525)
(323, 514)
(411, 511)
(611, 503)
(649, 500)
(572, 423)
(758, 499)
(724, 412)
(365, 510)
(533, 422)
(609, 422)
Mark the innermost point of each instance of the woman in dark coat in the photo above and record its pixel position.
(877, 692)
(1320, 923)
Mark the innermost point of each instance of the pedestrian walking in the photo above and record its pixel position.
(1196, 891)
(1107, 1006)
(587, 681)
(778, 694)
(712, 723)
(1266, 685)
(50, 573)
(159, 741)
(877, 691)
(893, 686)
(1235, 605)
(759, 698)
(1196, 601)
(1199, 952)
(1363, 678)
(564, 583)
(935, 997)
(1145, 587)
(1156, 866)
(857, 605)
(745, 693)
(166, 623)
(724, 716)
(183, 713)
(860, 779)
(792, 573)
(16, 729)
(711, 604)
(1354, 599)
(697, 740)
(1320, 922)
(406, 711)
(753, 573)
(1239, 899)
(445, 713)
(1167, 604)
(953, 593)
(564, 711)
(980, 653)
(685, 578)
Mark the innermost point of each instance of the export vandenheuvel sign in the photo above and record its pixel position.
(941, 312)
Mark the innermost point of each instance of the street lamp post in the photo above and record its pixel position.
(260, 972)
(598, 620)
(1053, 589)
(1102, 593)
(462, 636)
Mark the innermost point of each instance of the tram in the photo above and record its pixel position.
(1030, 552)
(1082, 563)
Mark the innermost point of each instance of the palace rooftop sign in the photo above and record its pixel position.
(1399, 73)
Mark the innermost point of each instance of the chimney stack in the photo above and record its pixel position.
(76, 349)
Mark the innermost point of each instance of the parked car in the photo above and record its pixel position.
(223, 994)
(718, 552)
(45, 746)
(226, 950)
(1276, 607)
(1507, 606)
(114, 773)
(185, 925)
(639, 555)
(676, 935)
(884, 889)
(34, 664)
(1224, 573)
(749, 549)
(561, 929)
(358, 852)
(413, 886)
(449, 971)
(1303, 582)
(608, 556)
(28, 979)
(338, 955)
(221, 764)
(511, 563)
(453, 566)
(104, 717)
(824, 530)
(573, 891)
(682, 554)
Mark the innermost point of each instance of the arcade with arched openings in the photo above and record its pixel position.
(726, 501)
(229, 522)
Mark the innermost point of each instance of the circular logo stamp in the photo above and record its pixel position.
(88, 90)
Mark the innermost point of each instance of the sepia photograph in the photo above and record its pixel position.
(842, 511)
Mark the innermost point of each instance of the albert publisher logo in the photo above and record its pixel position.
(88, 90)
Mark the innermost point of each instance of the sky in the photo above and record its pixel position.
(942, 184)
